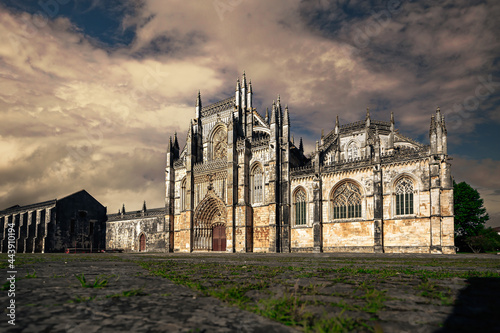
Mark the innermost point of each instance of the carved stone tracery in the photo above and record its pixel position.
(211, 211)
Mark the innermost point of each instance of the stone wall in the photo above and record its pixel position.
(125, 234)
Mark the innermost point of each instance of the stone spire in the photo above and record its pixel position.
(337, 125)
(285, 125)
(169, 145)
(301, 145)
(123, 209)
(444, 134)
(273, 113)
(266, 119)
(286, 120)
(237, 94)
(198, 105)
(244, 92)
(279, 114)
(249, 95)
(144, 206)
(432, 128)
(435, 132)
(198, 100)
(367, 118)
(176, 142)
(439, 130)
(390, 142)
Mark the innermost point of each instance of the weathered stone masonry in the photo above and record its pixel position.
(241, 184)
(125, 230)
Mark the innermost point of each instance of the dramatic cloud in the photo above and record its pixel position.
(83, 108)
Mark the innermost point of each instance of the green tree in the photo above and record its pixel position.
(486, 240)
(470, 215)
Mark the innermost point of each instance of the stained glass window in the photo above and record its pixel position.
(352, 151)
(300, 207)
(346, 202)
(183, 195)
(404, 197)
(257, 185)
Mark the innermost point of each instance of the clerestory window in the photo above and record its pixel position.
(352, 151)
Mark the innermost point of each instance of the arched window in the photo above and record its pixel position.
(257, 185)
(183, 194)
(346, 201)
(219, 143)
(299, 203)
(352, 151)
(404, 196)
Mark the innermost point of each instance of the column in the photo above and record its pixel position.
(378, 210)
(31, 225)
(17, 226)
(23, 231)
(435, 219)
(3, 232)
(46, 228)
(317, 212)
(37, 241)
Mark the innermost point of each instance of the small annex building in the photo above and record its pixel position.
(137, 231)
(75, 221)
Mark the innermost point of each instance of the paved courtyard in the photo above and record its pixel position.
(254, 293)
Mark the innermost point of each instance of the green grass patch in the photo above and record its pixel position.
(99, 282)
(31, 275)
(338, 324)
(128, 293)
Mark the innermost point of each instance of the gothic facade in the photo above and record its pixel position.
(240, 184)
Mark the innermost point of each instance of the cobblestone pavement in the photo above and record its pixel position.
(49, 298)
(43, 303)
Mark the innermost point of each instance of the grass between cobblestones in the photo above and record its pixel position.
(322, 295)
(312, 293)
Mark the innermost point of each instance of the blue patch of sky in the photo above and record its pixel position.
(481, 144)
(100, 20)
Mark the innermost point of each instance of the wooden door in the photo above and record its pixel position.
(142, 243)
(219, 238)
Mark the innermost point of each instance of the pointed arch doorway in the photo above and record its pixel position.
(209, 227)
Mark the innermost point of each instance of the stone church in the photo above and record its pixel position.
(241, 184)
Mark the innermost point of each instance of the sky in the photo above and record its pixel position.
(91, 90)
